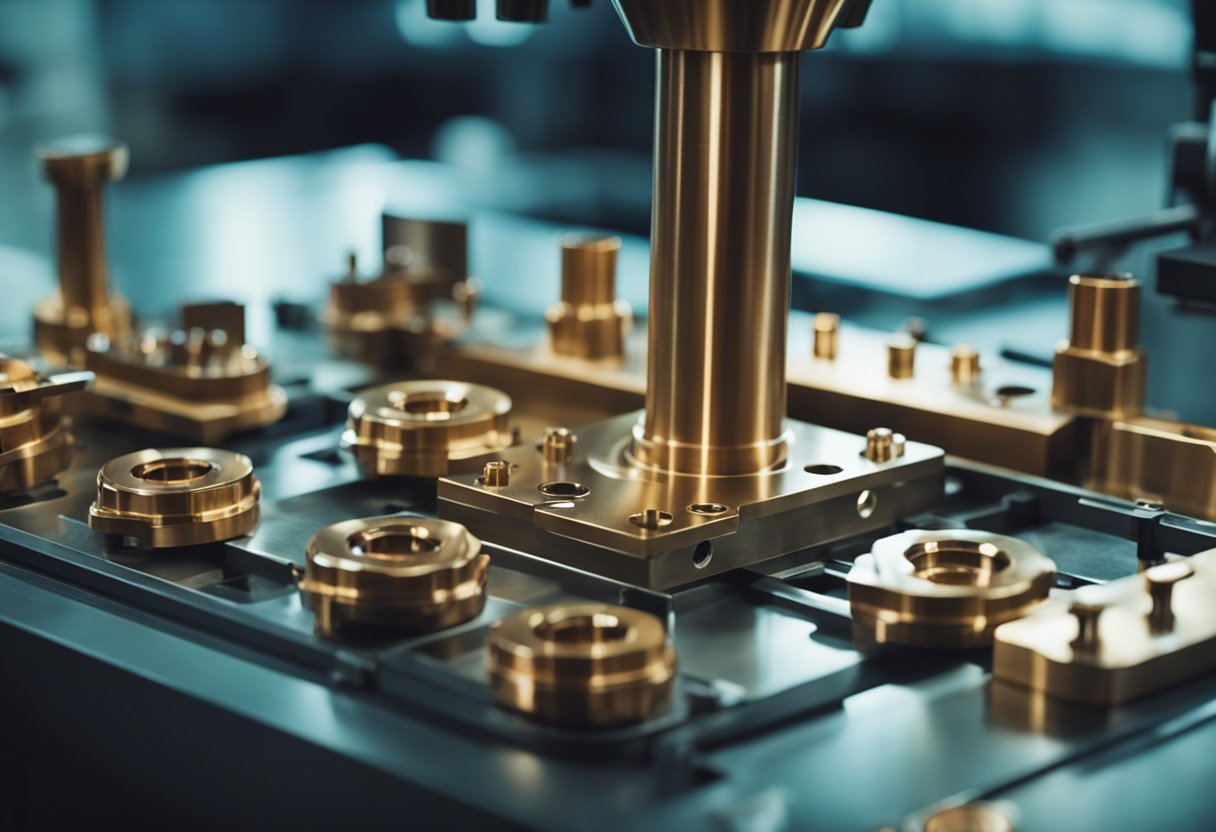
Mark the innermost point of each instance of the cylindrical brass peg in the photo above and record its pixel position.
(1088, 610)
(826, 327)
(964, 365)
(1159, 581)
(901, 356)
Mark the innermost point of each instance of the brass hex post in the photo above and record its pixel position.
(589, 322)
(1100, 370)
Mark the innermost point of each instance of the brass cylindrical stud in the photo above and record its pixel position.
(901, 357)
(588, 665)
(826, 330)
(1160, 581)
(964, 365)
(1104, 312)
(558, 446)
(1088, 611)
(884, 445)
(176, 497)
(408, 574)
(589, 322)
(496, 474)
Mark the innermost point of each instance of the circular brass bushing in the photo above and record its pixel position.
(35, 444)
(945, 588)
(582, 664)
(176, 497)
(427, 428)
(400, 573)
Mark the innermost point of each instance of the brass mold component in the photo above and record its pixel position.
(826, 335)
(901, 357)
(884, 445)
(165, 498)
(496, 474)
(78, 167)
(427, 428)
(731, 25)
(964, 365)
(200, 383)
(408, 574)
(946, 589)
(592, 665)
(558, 446)
(1155, 629)
(1100, 371)
(35, 442)
(589, 322)
(1157, 460)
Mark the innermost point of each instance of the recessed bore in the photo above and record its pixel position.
(563, 489)
(867, 503)
(1014, 391)
(707, 508)
(957, 562)
(703, 554)
(432, 405)
(171, 471)
(582, 629)
(393, 543)
(823, 470)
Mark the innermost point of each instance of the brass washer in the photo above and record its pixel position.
(176, 497)
(588, 665)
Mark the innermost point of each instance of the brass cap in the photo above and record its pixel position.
(403, 573)
(176, 497)
(582, 664)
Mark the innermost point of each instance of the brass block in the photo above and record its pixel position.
(947, 589)
(176, 497)
(402, 573)
(1152, 631)
(582, 665)
(427, 428)
(1097, 384)
(1152, 459)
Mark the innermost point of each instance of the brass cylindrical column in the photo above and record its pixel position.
(725, 145)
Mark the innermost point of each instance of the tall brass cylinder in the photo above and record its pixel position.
(1105, 312)
(725, 144)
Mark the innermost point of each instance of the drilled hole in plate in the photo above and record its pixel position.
(958, 562)
(432, 405)
(823, 470)
(707, 508)
(393, 543)
(598, 628)
(703, 554)
(867, 504)
(1014, 391)
(563, 489)
(172, 471)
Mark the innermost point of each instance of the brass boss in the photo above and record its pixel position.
(403, 573)
(582, 664)
(176, 497)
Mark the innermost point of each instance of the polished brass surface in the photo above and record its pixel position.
(582, 664)
(589, 321)
(1155, 630)
(1100, 371)
(200, 383)
(720, 263)
(408, 574)
(35, 440)
(731, 25)
(980, 816)
(901, 357)
(826, 337)
(1153, 459)
(884, 445)
(166, 498)
(427, 428)
(964, 365)
(78, 167)
(945, 589)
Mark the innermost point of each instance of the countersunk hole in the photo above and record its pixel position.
(823, 470)
(651, 518)
(1014, 391)
(172, 471)
(598, 628)
(960, 562)
(393, 542)
(432, 405)
(703, 554)
(867, 502)
(563, 489)
(707, 508)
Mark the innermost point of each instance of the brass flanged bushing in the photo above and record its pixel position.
(947, 589)
(427, 428)
(35, 443)
(176, 497)
(582, 665)
(400, 573)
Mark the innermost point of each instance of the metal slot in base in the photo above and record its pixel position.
(658, 530)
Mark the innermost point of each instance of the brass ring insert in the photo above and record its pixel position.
(427, 428)
(945, 588)
(176, 497)
(401, 573)
(582, 664)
